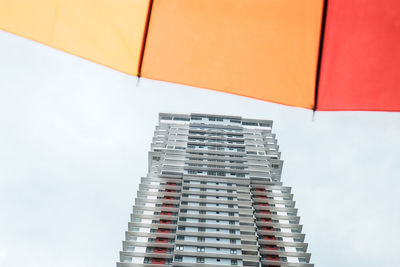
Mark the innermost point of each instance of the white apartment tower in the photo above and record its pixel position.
(213, 196)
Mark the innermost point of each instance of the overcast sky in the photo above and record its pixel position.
(74, 138)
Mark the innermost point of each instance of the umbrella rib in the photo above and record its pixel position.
(146, 31)
(321, 45)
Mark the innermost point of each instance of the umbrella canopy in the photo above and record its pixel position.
(360, 67)
(315, 54)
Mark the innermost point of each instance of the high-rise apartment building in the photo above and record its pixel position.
(213, 196)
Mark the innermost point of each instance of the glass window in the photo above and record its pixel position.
(200, 260)
(302, 260)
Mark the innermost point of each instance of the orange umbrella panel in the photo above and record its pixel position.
(109, 32)
(262, 49)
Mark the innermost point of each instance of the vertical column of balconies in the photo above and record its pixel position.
(151, 232)
(172, 166)
(279, 233)
(216, 226)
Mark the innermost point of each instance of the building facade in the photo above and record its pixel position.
(213, 196)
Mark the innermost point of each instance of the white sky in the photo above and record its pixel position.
(74, 138)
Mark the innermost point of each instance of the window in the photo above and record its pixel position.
(200, 239)
(178, 258)
(180, 237)
(180, 248)
(233, 251)
(200, 260)
(249, 123)
(233, 241)
(200, 249)
(234, 262)
(181, 119)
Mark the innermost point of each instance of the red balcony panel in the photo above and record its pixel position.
(164, 222)
(269, 237)
(170, 191)
(170, 183)
(167, 205)
(263, 204)
(271, 247)
(160, 250)
(267, 228)
(261, 190)
(166, 213)
(169, 198)
(163, 230)
(161, 240)
(266, 220)
(272, 258)
(262, 197)
(157, 261)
